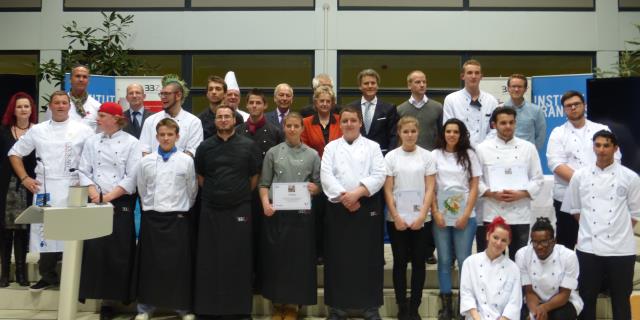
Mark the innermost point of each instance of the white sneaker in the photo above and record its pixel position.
(188, 316)
(142, 316)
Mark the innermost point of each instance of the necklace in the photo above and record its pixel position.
(25, 128)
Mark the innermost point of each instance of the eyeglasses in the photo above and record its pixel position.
(224, 117)
(573, 105)
(165, 94)
(542, 243)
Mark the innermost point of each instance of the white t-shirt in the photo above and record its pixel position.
(451, 175)
(408, 169)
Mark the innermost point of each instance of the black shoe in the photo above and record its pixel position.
(4, 281)
(106, 313)
(40, 285)
(432, 260)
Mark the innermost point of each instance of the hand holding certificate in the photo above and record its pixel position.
(291, 196)
(452, 204)
(408, 204)
(507, 177)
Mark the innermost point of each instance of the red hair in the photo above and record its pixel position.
(499, 222)
(9, 117)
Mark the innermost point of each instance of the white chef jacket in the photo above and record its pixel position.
(166, 186)
(495, 151)
(346, 166)
(606, 199)
(409, 170)
(59, 146)
(451, 175)
(491, 287)
(91, 107)
(191, 133)
(477, 120)
(573, 147)
(110, 161)
(559, 270)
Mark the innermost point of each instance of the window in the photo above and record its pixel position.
(15, 63)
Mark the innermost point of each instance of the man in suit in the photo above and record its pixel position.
(136, 114)
(283, 97)
(379, 117)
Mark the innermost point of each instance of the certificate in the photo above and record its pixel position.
(508, 177)
(452, 204)
(408, 204)
(291, 196)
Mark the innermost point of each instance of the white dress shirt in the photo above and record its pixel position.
(166, 186)
(495, 151)
(110, 161)
(477, 120)
(91, 107)
(606, 199)
(559, 270)
(372, 110)
(346, 166)
(573, 147)
(418, 103)
(191, 133)
(407, 168)
(491, 287)
(451, 175)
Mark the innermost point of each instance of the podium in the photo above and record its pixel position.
(73, 225)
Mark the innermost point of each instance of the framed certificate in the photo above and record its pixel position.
(508, 177)
(291, 196)
(408, 204)
(452, 204)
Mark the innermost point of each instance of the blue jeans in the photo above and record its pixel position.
(461, 240)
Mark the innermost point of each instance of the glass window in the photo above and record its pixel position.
(405, 4)
(497, 65)
(276, 4)
(163, 63)
(547, 4)
(27, 5)
(629, 4)
(199, 101)
(114, 4)
(18, 64)
(441, 69)
(260, 70)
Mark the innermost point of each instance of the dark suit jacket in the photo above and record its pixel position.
(383, 125)
(129, 127)
(272, 116)
(312, 134)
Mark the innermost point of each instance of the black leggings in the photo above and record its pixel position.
(408, 245)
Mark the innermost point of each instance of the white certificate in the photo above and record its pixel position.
(291, 196)
(452, 204)
(508, 177)
(408, 204)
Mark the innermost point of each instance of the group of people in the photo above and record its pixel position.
(439, 175)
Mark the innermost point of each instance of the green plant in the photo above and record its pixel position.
(102, 49)
(628, 62)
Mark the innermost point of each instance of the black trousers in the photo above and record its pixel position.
(430, 242)
(47, 266)
(408, 246)
(481, 237)
(566, 227)
(617, 271)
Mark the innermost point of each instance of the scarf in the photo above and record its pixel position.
(166, 154)
(79, 102)
(253, 127)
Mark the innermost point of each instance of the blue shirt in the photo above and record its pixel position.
(531, 124)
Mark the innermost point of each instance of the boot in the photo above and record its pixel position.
(446, 313)
(414, 314)
(20, 245)
(5, 259)
(403, 311)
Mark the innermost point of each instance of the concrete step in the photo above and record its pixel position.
(19, 298)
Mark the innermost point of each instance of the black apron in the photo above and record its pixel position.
(107, 262)
(224, 261)
(164, 266)
(288, 258)
(354, 255)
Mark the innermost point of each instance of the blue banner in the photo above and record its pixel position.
(101, 88)
(546, 92)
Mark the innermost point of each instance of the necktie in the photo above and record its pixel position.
(367, 115)
(281, 117)
(136, 124)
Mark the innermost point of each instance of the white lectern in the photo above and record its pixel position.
(73, 225)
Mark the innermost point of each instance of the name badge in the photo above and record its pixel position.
(40, 198)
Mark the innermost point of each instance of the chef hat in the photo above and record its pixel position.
(230, 80)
